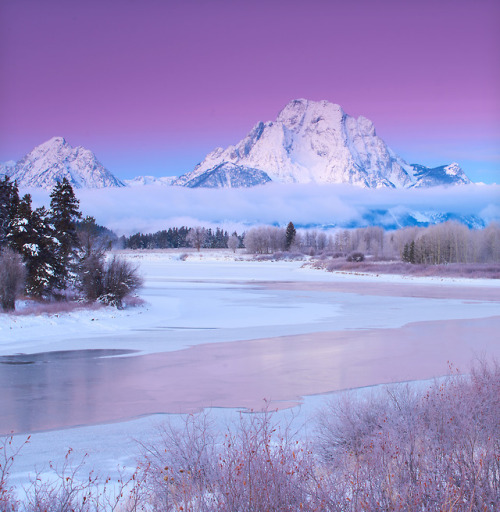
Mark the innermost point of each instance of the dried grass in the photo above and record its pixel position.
(458, 270)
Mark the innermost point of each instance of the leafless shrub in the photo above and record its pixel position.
(262, 466)
(411, 452)
(254, 466)
(54, 308)
(459, 270)
(355, 256)
(133, 301)
(12, 278)
(178, 469)
(8, 453)
(72, 488)
(119, 279)
(91, 276)
(277, 256)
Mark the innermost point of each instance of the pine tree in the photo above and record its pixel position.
(64, 212)
(41, 260)
(9, 200)
(411, 253)
(290, 235)
(20, 233)
(405, 256)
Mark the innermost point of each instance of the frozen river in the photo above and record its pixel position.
(228, 334)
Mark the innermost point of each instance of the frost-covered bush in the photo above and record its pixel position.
(401, 450)
(356, 256)
(256, 465)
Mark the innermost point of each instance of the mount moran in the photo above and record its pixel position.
(310, 142)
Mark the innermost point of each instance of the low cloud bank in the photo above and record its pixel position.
(151, 208)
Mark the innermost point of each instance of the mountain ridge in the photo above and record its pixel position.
(317, 142)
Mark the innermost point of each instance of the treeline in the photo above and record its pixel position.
(52, 253)
(450, 242)
(174, 238)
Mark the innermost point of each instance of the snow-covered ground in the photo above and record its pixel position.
(214, 297)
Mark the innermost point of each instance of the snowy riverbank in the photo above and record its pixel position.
(214, 298)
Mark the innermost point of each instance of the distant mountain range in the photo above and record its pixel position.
(310, 142)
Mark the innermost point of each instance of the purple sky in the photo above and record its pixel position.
(151, 86)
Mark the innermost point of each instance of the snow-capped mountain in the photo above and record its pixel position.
(317, 142)
(140, 181)
(54, 160)
(6, 168)
(444, 175)
(229, 175)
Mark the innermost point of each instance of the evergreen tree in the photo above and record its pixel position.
(290, 234)
(40, 255)
(64, 212)
(20, 233)
(32, 236)
(9, 201)
(411, 252)
(405, 256)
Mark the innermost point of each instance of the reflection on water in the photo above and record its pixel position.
(59, 355)
(69, 388)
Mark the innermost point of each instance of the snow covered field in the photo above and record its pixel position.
(279, 328)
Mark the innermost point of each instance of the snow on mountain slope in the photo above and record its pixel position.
(444, 175)
(229, 175)
(54, 160)
(317, 142)
(139, 181)
(7, 167)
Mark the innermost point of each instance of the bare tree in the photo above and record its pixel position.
(265, 239)
(196, 237)
(233, 243)
(12, 278)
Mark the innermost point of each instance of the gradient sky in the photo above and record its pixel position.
(152, 85)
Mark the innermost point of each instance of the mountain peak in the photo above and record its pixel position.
(302, 111)
(55, 141)
(55, 159)
(317, 142)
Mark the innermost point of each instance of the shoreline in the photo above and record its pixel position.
(240, 374)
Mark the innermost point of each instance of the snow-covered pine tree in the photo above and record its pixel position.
(40, 255)
(9, 200)
(32, 236)
(20, 234)
(64, 211)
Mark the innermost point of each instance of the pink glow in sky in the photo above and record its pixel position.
(151, 86)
